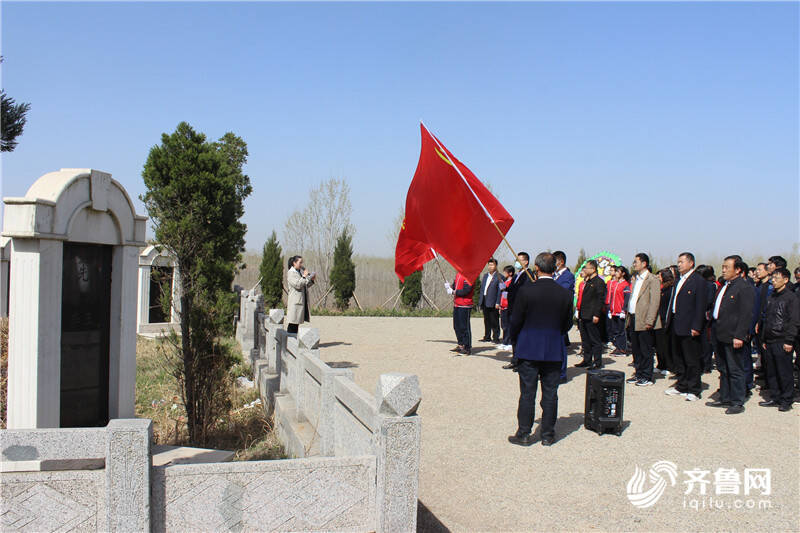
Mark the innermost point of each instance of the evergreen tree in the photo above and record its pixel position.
(581, 259)
(413, 289)
(12, 120)
(195, 199)
(271, 271)
(343, 273)
(476, 293)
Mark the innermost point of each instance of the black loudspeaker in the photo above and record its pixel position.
(605, 396)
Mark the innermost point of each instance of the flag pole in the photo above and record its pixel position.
(436, 257)
(486, 212)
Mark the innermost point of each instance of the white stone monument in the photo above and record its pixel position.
(75, 238)
(5, 251)
(158, 272)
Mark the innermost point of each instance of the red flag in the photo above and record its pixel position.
(448, 212)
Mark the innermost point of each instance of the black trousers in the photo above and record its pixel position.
(505, 324)
(643, 344)
(688, 353)
(730, 363)
(530, 373)
(592, 342)
(617, 333)
(707, 349)
(462, 327)
(662, 348)
(780, 377)
(491, 324)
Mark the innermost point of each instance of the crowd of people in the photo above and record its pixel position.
(679, 323)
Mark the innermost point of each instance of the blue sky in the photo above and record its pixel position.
(620, 126)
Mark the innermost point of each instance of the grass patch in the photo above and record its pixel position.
(245, 429)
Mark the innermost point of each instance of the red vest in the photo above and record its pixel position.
(462, 301)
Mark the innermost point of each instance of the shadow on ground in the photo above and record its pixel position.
(342, 364)
(337, 343)
(427, 521)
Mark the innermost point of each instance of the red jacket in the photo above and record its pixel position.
(463, 292)
(616, 296)
(612, 283)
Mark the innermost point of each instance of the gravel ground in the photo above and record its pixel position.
(472, 479)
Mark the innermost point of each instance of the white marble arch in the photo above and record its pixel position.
(157, 256)
(78, 205)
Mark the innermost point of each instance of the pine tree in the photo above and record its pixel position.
(581, 259)
(195, 199)
(343, 273)
(271, 271)
(413, 289)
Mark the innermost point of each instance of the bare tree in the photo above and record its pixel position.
(313, 230)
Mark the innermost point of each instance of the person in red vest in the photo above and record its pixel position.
(461, 289)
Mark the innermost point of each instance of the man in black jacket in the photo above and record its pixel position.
(731, 315)
(686, 313)
(489, 303)
(522, 277)
(780, 325)
(592, 302)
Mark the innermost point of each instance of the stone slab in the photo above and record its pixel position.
(52, 443)
(178, 455)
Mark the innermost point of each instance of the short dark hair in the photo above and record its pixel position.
(644, 258)
(492, 260)
(751, 269)
(797, 270)
(689, 256)
(759, 264)
(592, 262)
(293, 259)
(545, 263)
(558, 254)
(738, 264)
(509, 269)
(783, 271)
(615, 267)
(525, 255)
(778, 261)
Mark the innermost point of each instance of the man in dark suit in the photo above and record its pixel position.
(686, 313)
(542, 314)
(591, 311)
(731, 316)
(489, 303)
(521, 278)
(566, 279)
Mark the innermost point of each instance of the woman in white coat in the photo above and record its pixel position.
(299, 280)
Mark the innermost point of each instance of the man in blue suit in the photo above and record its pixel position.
(542, 315)
(566, 279)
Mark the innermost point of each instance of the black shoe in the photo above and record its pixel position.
(547, 442)
(785, 407)
(485, 339)
(582, 364)
(632, 379)
(768, 403)
(596, 366)
(512, 365)
(464, 351)
(734, 410)
(495, 341)
(523, 440)
(457, 348)
(718, 404)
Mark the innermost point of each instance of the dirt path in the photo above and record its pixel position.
(472, 479)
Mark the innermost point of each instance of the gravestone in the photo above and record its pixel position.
(74, 242)
(158, 274)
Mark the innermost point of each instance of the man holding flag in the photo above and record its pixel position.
(461, 290)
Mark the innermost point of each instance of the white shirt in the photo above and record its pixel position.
(678, 289)
(719, 299)
(559, 272)
(637, 288)
(489, 280)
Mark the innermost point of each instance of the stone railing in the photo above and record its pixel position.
(320, 411)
